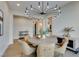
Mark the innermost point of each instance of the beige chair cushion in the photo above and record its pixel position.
(61, 50)
(45, 50)
(26, 49)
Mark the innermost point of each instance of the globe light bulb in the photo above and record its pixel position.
(47, 7)
(38, 4)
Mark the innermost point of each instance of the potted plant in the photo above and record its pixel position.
(67, 31)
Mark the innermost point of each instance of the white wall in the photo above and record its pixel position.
(5, 39)
(68, 17)
(22, 24)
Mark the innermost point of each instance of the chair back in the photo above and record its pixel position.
(65, 44)
(45, 50)
(62, 49)
(26, 49)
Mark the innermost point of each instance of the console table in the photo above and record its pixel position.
(73, 44)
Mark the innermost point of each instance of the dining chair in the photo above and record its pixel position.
(60, 51)
(25, 48)
(45, 50)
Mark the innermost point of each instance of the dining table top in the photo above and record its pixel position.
(47, 40)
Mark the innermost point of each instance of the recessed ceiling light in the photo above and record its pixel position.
(18, 4)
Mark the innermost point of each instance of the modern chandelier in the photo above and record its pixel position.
(43, 9)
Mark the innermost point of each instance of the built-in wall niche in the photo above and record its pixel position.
(50, 25)
(1, 22)
(38, 28)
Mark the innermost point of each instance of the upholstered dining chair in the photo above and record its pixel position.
(45, 50)
(25, 48)
(60, 51)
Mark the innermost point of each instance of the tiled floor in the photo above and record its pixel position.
(70, 54)
(15, 51)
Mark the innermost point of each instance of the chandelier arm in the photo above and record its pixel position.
(51, 9)
(36, 9)
(42, 6)
(45, 9)
(48, 9)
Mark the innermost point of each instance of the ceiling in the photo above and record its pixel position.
(23, 4)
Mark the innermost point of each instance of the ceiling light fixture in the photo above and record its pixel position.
(18, 4)
(43, 9)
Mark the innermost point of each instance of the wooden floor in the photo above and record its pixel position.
(13, 50)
